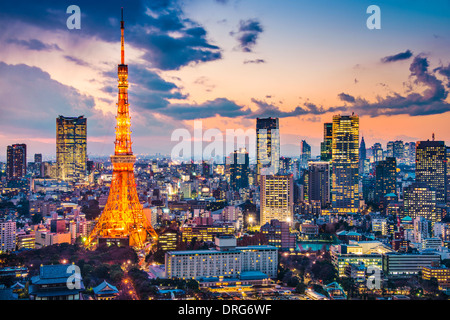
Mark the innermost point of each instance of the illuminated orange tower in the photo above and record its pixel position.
(123, 218)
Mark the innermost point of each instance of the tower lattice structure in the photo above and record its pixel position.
(123, 215)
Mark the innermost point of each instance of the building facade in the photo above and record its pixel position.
(345, 164)
(71, 148)
(16, 161)
(267, 146)
(276, 198)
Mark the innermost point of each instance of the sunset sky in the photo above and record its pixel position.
(224, 62)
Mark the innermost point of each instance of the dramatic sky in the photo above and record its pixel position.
(225, 63)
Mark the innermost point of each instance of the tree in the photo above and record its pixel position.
(300, 288)
(325, 271)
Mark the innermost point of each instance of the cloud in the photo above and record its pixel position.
(247, 34)
(399, 56)
(34, 44)
(428, 102)
(346, 97)
(444, 71)
(159, 28)
(219, 107)
(269, 110)
(37, 100)
(256, 61)
(77, 61)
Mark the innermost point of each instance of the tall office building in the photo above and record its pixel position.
(267, 147)
(71, 148)
(345, 164)
(276, 198)
(325, 146)
(16, 161)
(385, 178)
(420, 201)
(431, 166)
(239, 169)
(305, 154)
(319, 182)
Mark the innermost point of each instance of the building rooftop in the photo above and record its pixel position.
(105, 288)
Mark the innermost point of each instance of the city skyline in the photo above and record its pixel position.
(226, 63)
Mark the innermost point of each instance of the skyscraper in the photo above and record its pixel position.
(305, 154)
(385, 178)
(420, 201)
(277, 198)
(319, 182)
(267, 146)
(431, 166)
(71, 148)
(345, 163)
(325, 146)
(16, 161)
(123, 220)
(239, 169)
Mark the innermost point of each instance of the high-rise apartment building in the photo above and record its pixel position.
(345, 164)
(319, 182)
(71, 148)
(7, 236)
(16, 161)
(276, 198)
(431, 166)
(267, 146)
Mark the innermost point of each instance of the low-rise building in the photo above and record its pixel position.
(56, 282)
(226, 261)
(407, 264)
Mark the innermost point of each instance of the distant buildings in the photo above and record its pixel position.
(71, 133)
(305, 154)
(16, 161)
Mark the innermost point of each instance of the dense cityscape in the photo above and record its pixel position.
(354, 222)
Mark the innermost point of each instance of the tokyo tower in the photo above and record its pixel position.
(123, 220)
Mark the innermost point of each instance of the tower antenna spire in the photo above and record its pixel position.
(122, 41)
